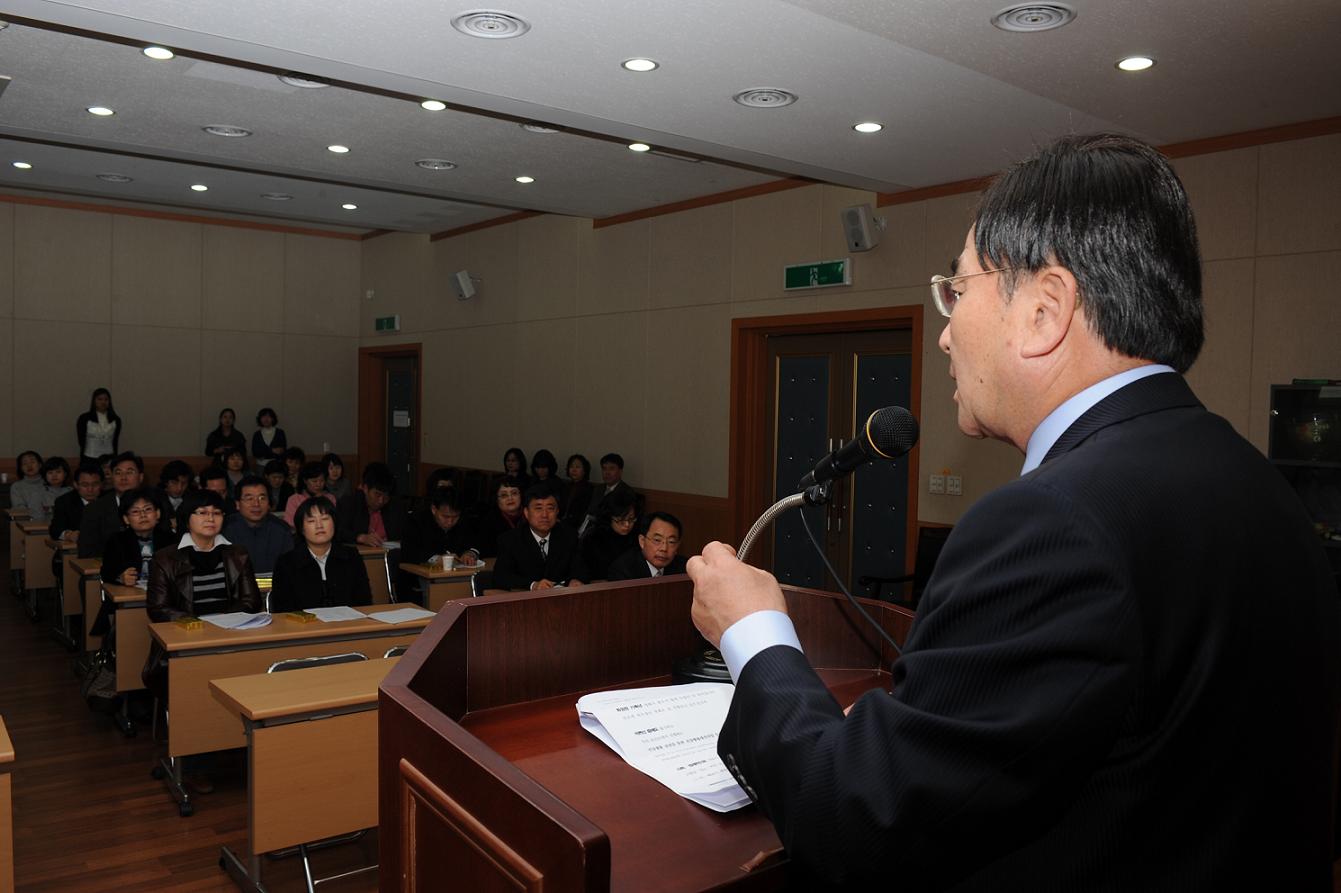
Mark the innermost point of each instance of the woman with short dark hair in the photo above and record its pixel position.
(268, 442)
(318, 572)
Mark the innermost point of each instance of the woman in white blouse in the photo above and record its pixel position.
(99, 429)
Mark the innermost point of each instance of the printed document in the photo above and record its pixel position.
(401, 615)
(238, 620)
(340, 612)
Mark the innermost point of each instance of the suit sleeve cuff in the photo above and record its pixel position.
(753, 633)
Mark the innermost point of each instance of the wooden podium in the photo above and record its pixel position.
(487, 781)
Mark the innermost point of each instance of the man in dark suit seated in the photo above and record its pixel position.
(68, 510)
(254, 528)
(440, 530)
(368, 516)
(1125, 670)
(542, 553)
(104, 517)
(657, 554)
(612, 478)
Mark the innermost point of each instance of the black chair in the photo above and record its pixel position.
(396, 650)
(480, 582)
(930, 541)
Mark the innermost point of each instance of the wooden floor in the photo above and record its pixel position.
(87, 815)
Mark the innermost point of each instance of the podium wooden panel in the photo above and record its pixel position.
(487, 781)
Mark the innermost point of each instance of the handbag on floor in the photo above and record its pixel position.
(99, 683)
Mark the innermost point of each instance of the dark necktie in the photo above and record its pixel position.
(544, 548)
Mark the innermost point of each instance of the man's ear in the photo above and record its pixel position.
(1052, 302)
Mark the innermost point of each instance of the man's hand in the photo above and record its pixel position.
(369, 539)
(70, 536)
(725, 590)
(129, 576)
(543, 584)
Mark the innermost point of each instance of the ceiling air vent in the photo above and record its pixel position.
(1033, 17)
(490, 23)
(765, 98)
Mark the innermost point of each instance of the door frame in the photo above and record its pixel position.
(372, 402)
(747, 478)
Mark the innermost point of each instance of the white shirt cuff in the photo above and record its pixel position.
(753, 633)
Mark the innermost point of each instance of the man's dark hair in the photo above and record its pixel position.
(1111, 210)
(613, 458)
(543, 490)
(233, 451)
(312, 470)
(89, 467)
(173, 470)
(670, 519)
(130, 497)
(438, 478)
(213, 473)
(377, 476)
(296, 454)
(128, 456)
(445, 498)
(253, 480)
(276, 466)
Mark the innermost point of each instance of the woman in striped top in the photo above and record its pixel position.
(203, 573)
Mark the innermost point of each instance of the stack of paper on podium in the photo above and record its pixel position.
(669, 733)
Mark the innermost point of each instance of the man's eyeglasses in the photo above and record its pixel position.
(943, 293)
(251, 499)
(142, 512)
(659, 540)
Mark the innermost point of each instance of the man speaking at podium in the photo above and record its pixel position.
(1123, 675)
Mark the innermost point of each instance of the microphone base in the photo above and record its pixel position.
(705, 665)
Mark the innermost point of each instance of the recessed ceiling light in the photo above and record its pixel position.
(350, 206)
(101, 111)
(226, 130)
(1026, 17)
(276, 196)
(337, 149)
(641, 64)
(525, 179)
(868, 127)
(115, 178)
(436, 164)
(537, 127)
(765, 98)
(433, 105)
(199, 187)
(639, 147)
(160, 54)
(22, 165)
(1136, 63)
(294, 79)
(491, 23)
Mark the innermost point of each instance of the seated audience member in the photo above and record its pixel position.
(576, 493)
(68, 510)
(173, 482)
(657, 554)
(294, 460)
(25, 492)
(105, 463)
(105, 516)
(264, 536)
(439, 530)
(368, 516)
(277, 487)
(318, 572)
(611, 536)
(545, 469)
(542, 553)
(99, 429)
(439, 478)
(612, 474)
(224, 437)
(514, 465)
(55, 484)
(235, 468)
(336, 483)
(503, 516)
(268, 442)
(129, 551)
(313, 478)
(215, 478)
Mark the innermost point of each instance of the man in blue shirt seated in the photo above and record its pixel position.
(264, 536)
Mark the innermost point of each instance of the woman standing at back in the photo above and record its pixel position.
(99, 429)
(224, 437)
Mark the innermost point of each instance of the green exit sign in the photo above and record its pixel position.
(387, 323)
(821, 274)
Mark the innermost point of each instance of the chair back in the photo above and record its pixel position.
(481, 581)
(396, 650)
(303, 663)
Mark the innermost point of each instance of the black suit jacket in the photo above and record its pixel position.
(352, 517)
(297, 583)
(103, 517)
(520, 564)
(123, 552)
(632, 566)
(66, 513)
(1123, 676)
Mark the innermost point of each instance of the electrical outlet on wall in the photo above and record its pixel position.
(936, 483)
(954, 485)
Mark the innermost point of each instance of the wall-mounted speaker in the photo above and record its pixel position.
(861, 228)
(463, 284)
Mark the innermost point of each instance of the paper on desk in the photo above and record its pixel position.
(390, 545)
(670, 733)
(401, 615)
(238, 620)
(340, 612)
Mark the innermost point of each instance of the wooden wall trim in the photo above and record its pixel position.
(497, 221)
(65, 204)
(941, 190)
(705, 200)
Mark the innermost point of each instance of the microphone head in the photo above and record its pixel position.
(891, 431)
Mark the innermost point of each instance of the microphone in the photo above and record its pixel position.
(887, 434)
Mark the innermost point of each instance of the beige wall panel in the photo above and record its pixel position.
(1299, 196)
(319, 402)
(245, 385)
(614, 272)
(688, 400)
(948, 221)
(1223, 190)
(244, 279)
(1297, 320)
(442, 426)
(1221, 375)
(156, 272)
(548, 251)
(900, 258)
(544, 400)
(62, 264)
(840, 299)
(156, 382)
(486, 375)
(770, 232)
(445, 257)
(6, 260)
(802, 302)
(321, 285)
(610, 379)
(491, 256)
(398, 269)
(691, 257)
(833, 199)
(7, 420)
(50, 392)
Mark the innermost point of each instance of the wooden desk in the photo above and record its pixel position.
(311, 754)
(14, 516)
(439, 586)
(7, 814)
(379, 572)
(88, 571)
(36, 557)
(132, 634)
(72, 600)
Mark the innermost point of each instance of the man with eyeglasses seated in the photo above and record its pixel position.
(105, 516)
(253, 527)
(657, 552)
(128, 553)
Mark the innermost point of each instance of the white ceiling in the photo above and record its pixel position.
(959, 98)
